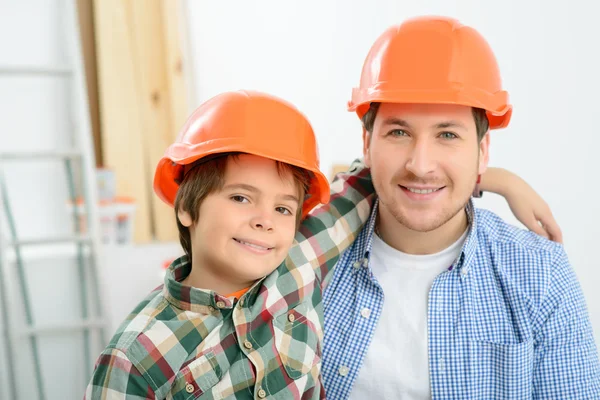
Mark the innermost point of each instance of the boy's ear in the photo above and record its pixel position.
(184, 218)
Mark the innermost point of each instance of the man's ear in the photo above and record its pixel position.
(484, 153)
(366, 146)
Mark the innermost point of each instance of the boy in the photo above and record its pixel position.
(232, 319)
(228, 322)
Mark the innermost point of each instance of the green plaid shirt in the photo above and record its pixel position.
(187, 343)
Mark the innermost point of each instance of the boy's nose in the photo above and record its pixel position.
(262, 222)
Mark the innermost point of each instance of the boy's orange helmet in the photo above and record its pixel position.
(433, 60)
(248, 122)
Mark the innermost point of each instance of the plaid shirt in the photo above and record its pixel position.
(507, 320)
(185, 343)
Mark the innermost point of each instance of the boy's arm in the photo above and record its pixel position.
(116, 378)
(566, 364)
(330, 229)
(525, 203)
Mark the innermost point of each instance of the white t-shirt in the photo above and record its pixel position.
(396, 365)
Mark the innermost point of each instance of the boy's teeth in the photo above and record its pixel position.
(422, 191)
(253, 245)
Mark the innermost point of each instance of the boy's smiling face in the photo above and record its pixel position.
(245, 230)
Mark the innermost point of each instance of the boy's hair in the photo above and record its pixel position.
(481, 121)
(206, 177)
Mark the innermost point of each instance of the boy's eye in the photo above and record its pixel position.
(448, 135)
(283, 211)
(239, 199)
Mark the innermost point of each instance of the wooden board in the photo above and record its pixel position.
(144, 100)
(120, 109)
(337, 168)
(88, 45)
(155, 102)
(177, 64)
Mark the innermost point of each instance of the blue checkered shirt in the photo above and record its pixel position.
(507, 320)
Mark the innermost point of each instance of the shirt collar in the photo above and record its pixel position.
(462, 262)
(465, 259)
(195, 299)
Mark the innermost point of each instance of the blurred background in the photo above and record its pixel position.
(93, 92)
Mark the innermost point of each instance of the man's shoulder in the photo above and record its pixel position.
(495, 231)
(522, 259)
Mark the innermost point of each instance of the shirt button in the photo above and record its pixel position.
(365, 312)
(189, 388)
(261, 393)
(211, 309)
(247, 344)
(464, 270)
(357, 264)
(221, 304)
(365, 262)
(241, 302)
(291, 317)
(343, 371)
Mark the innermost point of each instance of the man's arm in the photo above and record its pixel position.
(330, 229)
(116, 378)
(566, 364)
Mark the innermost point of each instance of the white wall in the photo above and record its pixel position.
(311, 53)
(34, 117)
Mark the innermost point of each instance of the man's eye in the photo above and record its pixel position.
(397, 132)
(448, 135)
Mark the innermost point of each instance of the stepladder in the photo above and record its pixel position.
(52, 320)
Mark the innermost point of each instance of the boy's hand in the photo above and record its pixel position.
(525, 203)
(533, 212)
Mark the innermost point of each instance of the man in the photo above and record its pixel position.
(474, 308)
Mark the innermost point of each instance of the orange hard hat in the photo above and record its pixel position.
(248, 122)
(433, 60)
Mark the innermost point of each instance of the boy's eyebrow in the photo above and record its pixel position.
(253, 189)
(291, 197)
(244, 186)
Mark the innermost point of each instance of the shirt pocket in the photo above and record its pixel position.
(297, 342)
(196, 378)
(501, 370)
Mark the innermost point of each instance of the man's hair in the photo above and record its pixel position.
(205, 177)
(481, 121)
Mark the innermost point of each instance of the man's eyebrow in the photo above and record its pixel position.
(450, 124)
(396, 121)
(441, 125)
